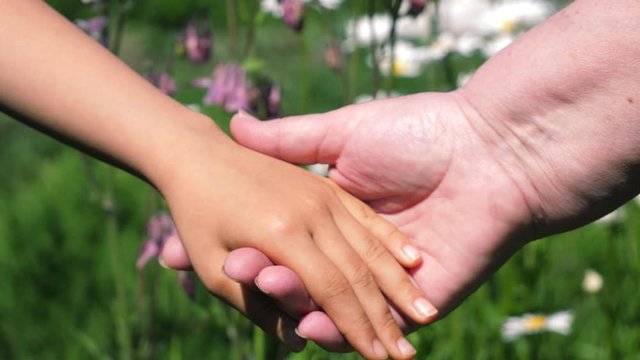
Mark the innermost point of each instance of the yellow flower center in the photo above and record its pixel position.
(508, 25)
(535, 322)
(398, 68)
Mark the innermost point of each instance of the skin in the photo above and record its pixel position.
(350, 260)
(544, 138)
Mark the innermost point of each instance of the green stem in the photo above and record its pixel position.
(352, 78)
(232, 27)
(375, 73)
(249, 45)
(117, 16)
(117, 13)
(305, 70)
(259, 344)
(120, 308)
(395, 14)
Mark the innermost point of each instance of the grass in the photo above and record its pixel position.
(58, 291)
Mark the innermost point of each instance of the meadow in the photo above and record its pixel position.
(71, 227)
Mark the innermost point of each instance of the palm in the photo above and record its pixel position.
(423, 166)
(419, 162)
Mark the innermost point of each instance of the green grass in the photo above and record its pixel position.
(58, 297)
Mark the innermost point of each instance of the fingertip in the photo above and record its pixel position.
(411, 256)
(243, 265)
(173, 255)
(318, 327)
(242, 115)
(426, 311)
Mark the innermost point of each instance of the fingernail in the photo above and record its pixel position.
(425, 308)
(225, 272)
(246, 114)
(379, 349)
(411, 253)
(162, 263)
(297, 331)
(258, 286)
(406, 348)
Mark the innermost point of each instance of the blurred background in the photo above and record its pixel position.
(78, 239)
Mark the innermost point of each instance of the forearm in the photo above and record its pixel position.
(61, 81)
(561, 108)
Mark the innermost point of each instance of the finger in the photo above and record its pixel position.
(392, 278)
(286, 289)
(333, 292)
(244, 265)
(307, 139)
(258, 308)
(389, 235)
(173, 254)
(317, 326)
(331, 240)
(253, 269)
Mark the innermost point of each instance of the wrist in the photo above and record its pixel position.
(179, 147)
(574, 155)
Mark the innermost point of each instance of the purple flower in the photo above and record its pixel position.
(333, 56)
(164, 82)
(416, 6)
(197, 44)
(273, 101)
(95, 27)
(159, 228)
(293, 13)
(188, 283)
(229, 88)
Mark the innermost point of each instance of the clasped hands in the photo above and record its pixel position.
(420, 163)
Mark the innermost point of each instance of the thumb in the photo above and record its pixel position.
(306, 139)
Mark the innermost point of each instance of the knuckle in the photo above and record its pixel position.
(336, 287)
(359, 328)
(281, 225)
(362, 277)
(396, 236)
(315, 202)
(374, 252)
(389, 323)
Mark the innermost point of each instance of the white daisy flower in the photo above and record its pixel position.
(613, 217)
(508, 16)
(379, 95)
(496, 44)
(364, 31)
(463, 79)
(461, 16)
(592, 281)
(408, 59)
(330, 4)
(517, 326)
(418, 28)
(274, 7)
(319, 169)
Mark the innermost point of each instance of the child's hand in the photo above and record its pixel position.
(226, 197)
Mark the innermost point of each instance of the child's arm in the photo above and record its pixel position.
(222, 196)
